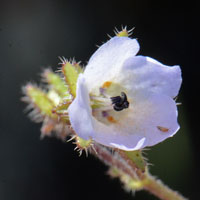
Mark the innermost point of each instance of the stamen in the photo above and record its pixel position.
(101, 100)
(101, 103)
(120, 102)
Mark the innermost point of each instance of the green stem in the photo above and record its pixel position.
(160, 190)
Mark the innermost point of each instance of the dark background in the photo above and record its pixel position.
(32, 36)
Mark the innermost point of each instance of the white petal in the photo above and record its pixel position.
(143, 126)
(80, 111)
(108, 59)
(150, 121)
(143, 73)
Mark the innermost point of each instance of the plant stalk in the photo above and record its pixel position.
(157, 188)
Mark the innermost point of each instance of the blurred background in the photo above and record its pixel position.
(33, 34)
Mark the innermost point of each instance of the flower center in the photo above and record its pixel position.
(106, 103)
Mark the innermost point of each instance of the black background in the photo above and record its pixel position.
(32, 36)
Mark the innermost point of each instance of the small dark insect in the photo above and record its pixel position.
(120, 102)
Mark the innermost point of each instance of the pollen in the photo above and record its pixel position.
(163, 129)
(106, 84)
(111, 119)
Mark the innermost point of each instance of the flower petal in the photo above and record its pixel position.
(149, 122)
(108, 59)
(143, 73)
(80, 111)
(151, 119)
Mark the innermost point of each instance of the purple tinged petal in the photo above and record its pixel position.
(108, 59)
(150, 86)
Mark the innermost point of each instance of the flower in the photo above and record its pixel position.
(123, 100)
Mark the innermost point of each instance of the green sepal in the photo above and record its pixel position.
(123, 33)
(83, 144)
(78, 67)
(71, 75)
(40, 100)
(56, 83)
(54, 97)
(61, 111)
(130, 183)
(137, 159)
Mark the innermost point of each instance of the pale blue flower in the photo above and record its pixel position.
(150, 113)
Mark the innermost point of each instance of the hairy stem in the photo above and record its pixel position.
(157, 188)
(112, 160)
(133, 177)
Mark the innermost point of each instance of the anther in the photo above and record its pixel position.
(120, 102)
